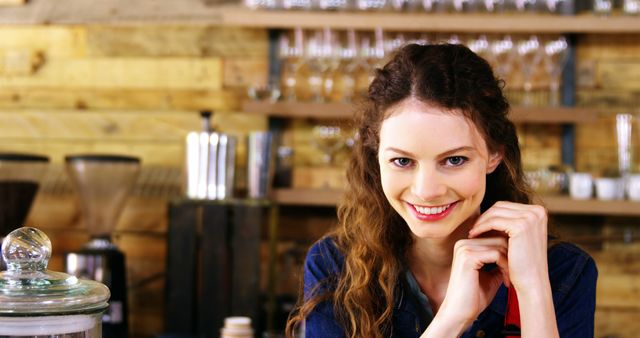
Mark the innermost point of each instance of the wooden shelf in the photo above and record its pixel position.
(310, 197)
(345, 111)
(567, 205)
(555, 204)
(488, 23)
(199, 12)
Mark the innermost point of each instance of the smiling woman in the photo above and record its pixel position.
(441, 173)
(437, 232)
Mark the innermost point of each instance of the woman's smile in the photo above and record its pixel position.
(432, 213)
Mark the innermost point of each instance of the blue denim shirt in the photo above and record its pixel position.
(572, 273)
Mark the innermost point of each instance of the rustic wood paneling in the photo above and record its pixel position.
(122, 73)
(54, 41)
(124, 99)
(615, 322)
(176, 40)
(243, 72)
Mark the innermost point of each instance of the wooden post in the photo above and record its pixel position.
(181, 268)
(213, 264)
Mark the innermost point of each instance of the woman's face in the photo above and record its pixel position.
(433, 167)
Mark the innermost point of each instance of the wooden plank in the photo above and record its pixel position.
(619, 74)
(98, 125)
(145, 324)
(121, 73)
(566, 205)
(614, 322)
(216, 267)
(166, 40)
(12, 2)
(197, 12)
(247, 220)
(319, 177)
(244, 72)
(143, 245)
(502, 23)
(622, 261)
(610, 99)
(53, 41)
(606, 47)
(20, 62)
(135, 126)
(553, 114)
(181, 300)
(619, 291)
(151, 153)
(140, 216)
(118, 98)
(112, 12)
(317, 197)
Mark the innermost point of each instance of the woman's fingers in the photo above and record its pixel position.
(487, 241)
(475, 255)
(512, 225)
(529, 213)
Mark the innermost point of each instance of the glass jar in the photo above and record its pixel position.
(36, 302)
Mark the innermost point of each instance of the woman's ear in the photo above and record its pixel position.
(494, 160)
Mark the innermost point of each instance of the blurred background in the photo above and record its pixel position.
(212, 229)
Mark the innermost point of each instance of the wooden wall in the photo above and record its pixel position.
(138, 90)
(123, 90)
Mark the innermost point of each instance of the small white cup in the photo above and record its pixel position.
(633, 187)
(580, 186)
(609, 188)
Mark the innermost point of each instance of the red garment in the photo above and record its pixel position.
(512, 315)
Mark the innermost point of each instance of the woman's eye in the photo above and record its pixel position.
(455, 161)
(401, 162)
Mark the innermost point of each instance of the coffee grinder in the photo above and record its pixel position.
(20, 176)
(103, 183)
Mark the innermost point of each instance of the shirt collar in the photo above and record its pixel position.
(499, 302)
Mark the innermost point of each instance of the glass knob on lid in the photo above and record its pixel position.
(28, 288)
(26, 249)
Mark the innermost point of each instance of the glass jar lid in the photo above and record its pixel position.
(27, 288)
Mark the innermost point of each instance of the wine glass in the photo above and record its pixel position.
(502, 56)
(316, 65)
(529, 56)
(349, 67)
(480, 45)
(556, 53)
(364, 64)
(332, 53)
(494, 6)
(526, 5)
(438, 6)
(462, 6)
(554, 6)
(291, 58)
(329, 140)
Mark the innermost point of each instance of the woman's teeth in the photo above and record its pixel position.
(431, 211)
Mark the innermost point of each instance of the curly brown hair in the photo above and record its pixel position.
(372, 236)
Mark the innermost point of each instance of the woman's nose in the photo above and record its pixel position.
(428, 185)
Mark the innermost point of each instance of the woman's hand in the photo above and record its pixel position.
(471, 289)
(526, 228)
